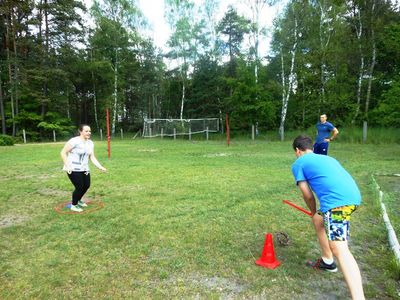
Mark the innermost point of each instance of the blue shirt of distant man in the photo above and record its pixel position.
(324, 130)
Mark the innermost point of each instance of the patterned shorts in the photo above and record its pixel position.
(337, 222)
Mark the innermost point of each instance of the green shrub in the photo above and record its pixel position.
(6, 140)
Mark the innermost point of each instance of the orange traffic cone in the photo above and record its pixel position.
(267, 259)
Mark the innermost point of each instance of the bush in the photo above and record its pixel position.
(6, 140)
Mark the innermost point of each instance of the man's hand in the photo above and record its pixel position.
(308, 196)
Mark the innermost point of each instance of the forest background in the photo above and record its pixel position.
(336, 57)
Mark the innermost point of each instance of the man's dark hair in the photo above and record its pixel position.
(303, 143)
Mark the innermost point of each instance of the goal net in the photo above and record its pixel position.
(175, 127)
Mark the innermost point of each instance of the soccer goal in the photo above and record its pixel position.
(176, 127)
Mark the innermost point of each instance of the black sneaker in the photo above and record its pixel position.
(321, 265)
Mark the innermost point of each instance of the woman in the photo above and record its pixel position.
(75, 155)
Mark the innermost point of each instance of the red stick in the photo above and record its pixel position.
(298, 207)
(108, 133)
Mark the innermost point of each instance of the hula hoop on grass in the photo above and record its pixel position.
(93, 205)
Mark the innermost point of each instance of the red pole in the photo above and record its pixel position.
(228, 137)
(108, 133)
(298, 207)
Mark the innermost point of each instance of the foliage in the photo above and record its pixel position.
(6, 140)
(51, 65)
(387, 112)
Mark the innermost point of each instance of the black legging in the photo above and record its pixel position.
(81, 182)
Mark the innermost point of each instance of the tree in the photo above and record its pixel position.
(116, 21)
(287, 37)
(233, 27)
(185, 39)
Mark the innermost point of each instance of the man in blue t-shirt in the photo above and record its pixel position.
(324, 137)
(338, 197)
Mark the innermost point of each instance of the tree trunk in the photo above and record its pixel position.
(10, 77)
(16, 68)
(284, 104)
(2, 114)
(46, 59)
(68, 106)
(291, 79)
(94, 94)
(359, 30)
(114, 121)
(324, 39)
(372, 65)
(183, 76)
(371, 71)
(183, 99)
(95, 104)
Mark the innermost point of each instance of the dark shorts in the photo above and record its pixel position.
(337, 222)
(321, 148)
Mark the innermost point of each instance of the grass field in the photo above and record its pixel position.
(180, 220)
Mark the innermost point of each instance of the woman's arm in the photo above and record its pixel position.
(64, 154)
(96, 162)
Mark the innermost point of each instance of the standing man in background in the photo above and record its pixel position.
(324, 137)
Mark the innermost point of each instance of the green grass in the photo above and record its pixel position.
(181, 220)
(390, 186)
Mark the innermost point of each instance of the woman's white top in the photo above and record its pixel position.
(78, 157)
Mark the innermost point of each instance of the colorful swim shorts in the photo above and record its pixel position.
(337, 222)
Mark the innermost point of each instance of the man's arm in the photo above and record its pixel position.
(335, 132)
(308, 196)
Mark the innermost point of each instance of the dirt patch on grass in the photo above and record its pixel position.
(227, 288)
(217, 283)
(11, 220)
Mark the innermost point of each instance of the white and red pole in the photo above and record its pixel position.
(228, 137)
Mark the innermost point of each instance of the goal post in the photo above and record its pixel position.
(179, 127)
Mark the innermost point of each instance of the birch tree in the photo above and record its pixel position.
(124, 16)
(355, 13)
(371, 67)
(180, 17)
(258, 31)
(288, 47)
(327, 15)
(210, 8)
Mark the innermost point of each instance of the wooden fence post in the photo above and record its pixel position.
(365, 128)
(24, 135)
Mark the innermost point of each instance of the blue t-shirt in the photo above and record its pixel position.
(332, 184)
(324, 131)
